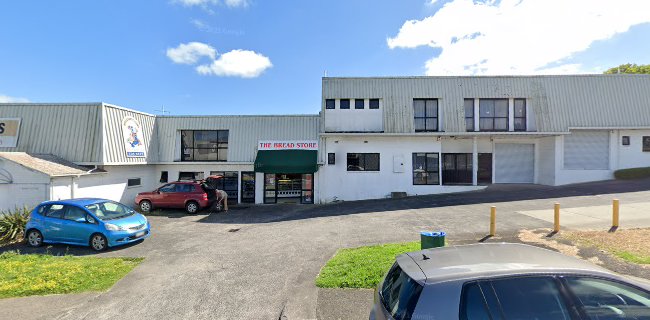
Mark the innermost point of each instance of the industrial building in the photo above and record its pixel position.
(374, 138)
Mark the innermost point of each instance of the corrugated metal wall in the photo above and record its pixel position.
(114, 150)
(244, 132)
(559, 102)
(70, 131)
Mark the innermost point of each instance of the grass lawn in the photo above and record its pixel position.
(361, 267)
(36, 274)
(630, 245)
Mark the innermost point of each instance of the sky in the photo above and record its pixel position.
(206, 57)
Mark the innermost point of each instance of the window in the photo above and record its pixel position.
(469, 114)
(168, 188)
(204, 145)
(374, 103)
(55, 211)
(646, 144)
(363, 161)
(425, 168)
(75, 214)
(626, 140)
(493, 114)
(603, 299)
(399, 293)
(331, 158)
(344, 104)
(190, 176)
(228, 183)
(520, 114)
(473, 305)
(359, 104)
(425, 113)
(330, 103)
(530, 298)
(164, 176)
(133, 182)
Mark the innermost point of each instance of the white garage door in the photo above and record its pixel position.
(514, 163)
(586, 150)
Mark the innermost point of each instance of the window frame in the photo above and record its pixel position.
(426, 117)
(625, 140)
(327, 106)
(164, 176)
(194, 147)
(341, 104)
(514, 111)
(362, 160)
(426, 169)
(129, 185)
(370, 103)
(645, 144)
(469, 117)
(356, 104)
(331, 158)
(494, 117)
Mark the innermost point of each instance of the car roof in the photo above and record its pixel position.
(487, 260)
(79, 201)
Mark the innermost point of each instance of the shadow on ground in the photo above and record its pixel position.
(492, 194)
(60, 249)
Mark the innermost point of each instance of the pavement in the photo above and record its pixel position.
(260, 262)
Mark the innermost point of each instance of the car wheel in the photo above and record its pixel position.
(98, 242)
(192, 207)
(145, 206)
(34, 238)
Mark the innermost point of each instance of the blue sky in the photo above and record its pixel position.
(118, 51)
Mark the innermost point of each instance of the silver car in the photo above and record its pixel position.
(505, 281)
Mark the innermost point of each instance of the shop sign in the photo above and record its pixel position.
(133, 142)
(9, 128)
(288, 145)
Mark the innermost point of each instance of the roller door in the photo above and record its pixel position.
(514, 163)
(586, 150)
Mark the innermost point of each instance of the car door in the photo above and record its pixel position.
(165, 195)
(53, 223)
(600, 298)
(76, 228)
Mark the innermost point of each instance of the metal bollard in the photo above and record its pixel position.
(493, 221)
(615, 212)
(556, 218)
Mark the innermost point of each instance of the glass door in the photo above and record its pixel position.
(270, 187)
(229, 183)
(307, 195)
(248, 187)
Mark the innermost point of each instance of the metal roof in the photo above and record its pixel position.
(492, 260)
(48, 164)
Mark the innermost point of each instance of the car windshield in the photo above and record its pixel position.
(110, 210)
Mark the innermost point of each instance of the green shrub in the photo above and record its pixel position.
(632, 173)
(12, 224)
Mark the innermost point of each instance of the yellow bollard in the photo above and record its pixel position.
(615, 211)
(493, 221)
(556, 219)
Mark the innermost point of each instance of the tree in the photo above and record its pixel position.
(630, 68)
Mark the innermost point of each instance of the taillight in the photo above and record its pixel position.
(205, 196)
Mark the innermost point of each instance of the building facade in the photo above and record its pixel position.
(374, 138)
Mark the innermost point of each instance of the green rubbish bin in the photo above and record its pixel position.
(432, 239)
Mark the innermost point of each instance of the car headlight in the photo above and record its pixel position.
(112, 227)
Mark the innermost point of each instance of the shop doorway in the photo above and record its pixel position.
(248, 187)
(229, 183)
(289, 188)
(484, 168)
(456, 168)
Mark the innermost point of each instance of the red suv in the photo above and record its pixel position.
(190, 195)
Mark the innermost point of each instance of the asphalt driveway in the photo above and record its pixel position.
(260, 262)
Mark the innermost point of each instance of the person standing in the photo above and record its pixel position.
(223, 198)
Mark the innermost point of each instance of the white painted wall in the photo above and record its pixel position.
(545, 158)
(113, 184)
(339, 184)
(61, 188)
(21, 186)
(631, 156)
(366, 120)
(565, 176)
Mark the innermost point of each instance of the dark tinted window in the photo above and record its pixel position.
(359, 103)
(363, 161)
(344, 104)
(184, 188)
(168, 188)
(55, 211)
(331, 158)
(400, 293)
(604, 300)
(204, 145)
(646, 144)
(374, 104)
(329, 104)
(42, 209)
(164, 176)
(530, 298)
(472, 305)
(133, 182)
(75, 214)
(469, 114)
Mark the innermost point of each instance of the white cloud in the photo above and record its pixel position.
(190, 53)
(517, 36)
(205, 3)
(8, 99)
(237, 63)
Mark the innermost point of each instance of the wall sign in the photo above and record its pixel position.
(9, 128)
(288, 145)
(133, 142)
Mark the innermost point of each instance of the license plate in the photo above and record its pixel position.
(139, 234)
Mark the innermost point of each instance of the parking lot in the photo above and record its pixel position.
(260, 262)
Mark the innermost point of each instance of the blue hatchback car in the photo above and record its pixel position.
(98, 223)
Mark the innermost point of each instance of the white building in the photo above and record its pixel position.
(374, 137)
